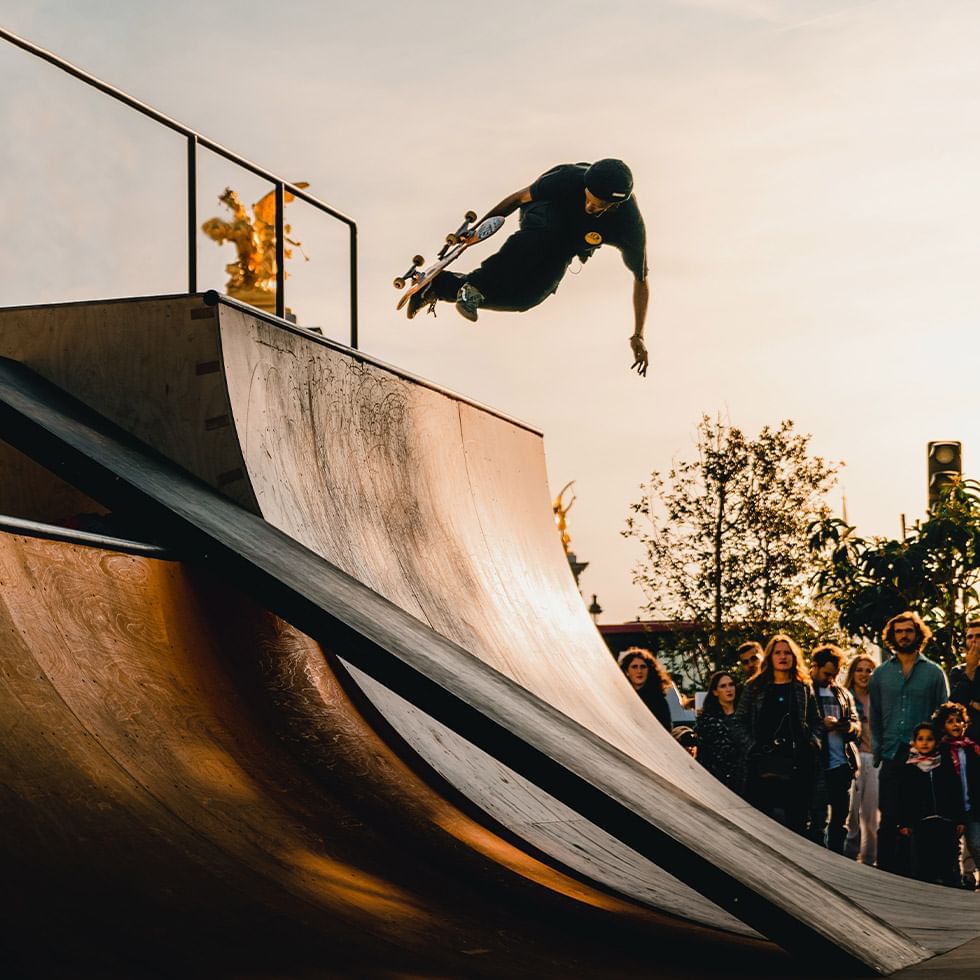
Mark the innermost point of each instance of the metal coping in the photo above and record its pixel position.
(213, 298)
(54, 532)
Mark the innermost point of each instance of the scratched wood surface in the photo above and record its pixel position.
(444, 509)
(178, 760)
(634, 803)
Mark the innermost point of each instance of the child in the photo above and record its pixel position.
(963, 754)
(931, 809)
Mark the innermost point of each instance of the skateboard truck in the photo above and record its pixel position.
(400, 281)
(418, 280)
(455, 237)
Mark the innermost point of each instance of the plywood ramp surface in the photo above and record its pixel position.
(442, 507)
(182, 769)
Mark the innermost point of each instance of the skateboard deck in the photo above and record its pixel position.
(456, 243)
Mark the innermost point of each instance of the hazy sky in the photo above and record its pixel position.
(807, 169)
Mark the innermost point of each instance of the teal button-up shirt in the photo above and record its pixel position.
(899, 703)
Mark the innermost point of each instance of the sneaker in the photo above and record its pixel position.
(468, 301)
(417, 300)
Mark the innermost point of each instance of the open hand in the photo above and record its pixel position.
(640, 357)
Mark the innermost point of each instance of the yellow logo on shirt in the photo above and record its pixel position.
(593, 238)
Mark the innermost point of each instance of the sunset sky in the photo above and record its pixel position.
(808, 171)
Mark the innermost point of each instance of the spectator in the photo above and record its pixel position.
(904, 691)
(749, 658)
(964, 680)
(721, 739)
(687, 739)
(649, 680)
(930, 809)
(862, 821)
(778, 711)
(950, 720)
(838, 759)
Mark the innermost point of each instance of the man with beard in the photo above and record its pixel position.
(904, 691)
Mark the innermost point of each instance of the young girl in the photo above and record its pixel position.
(963, 754)
(931, 809)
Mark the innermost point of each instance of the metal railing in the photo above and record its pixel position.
(194, 140)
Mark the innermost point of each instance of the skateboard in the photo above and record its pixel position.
(457, 242)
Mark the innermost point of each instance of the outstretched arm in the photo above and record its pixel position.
(509, 204)
(641, 299)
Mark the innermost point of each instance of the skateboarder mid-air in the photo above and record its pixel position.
(568, 212)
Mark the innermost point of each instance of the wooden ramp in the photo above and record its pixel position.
(188, 791)
(415, 540)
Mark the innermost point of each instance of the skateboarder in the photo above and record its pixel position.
(568, 212)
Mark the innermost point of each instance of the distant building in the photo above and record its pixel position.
(656, 635)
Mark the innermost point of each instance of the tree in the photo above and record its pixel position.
(935, 571)
(726, 537)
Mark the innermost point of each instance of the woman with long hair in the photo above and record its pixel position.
(778, 711)
(721, 740)
(862, 821)
(650, 681)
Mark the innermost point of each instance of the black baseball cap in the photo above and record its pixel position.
(610, 180)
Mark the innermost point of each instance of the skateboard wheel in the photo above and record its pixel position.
(399, 283)
(452, 239)
(470, 216)
(418, 260)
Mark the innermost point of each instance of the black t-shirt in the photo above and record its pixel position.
(558, 204)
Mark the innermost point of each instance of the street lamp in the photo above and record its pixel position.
(595, 610)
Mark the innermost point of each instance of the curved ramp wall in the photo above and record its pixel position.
(442, 507)
(180, 768)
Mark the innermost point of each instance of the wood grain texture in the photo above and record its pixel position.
(635, 804)
(176, 759)
(442, 509)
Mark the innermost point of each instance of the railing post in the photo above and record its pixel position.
(280, 250)
(353, 286)
(192, 214)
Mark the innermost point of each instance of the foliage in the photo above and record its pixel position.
(725, 537)
(935, 571)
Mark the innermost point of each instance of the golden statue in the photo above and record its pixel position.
(252, 277)
(561, 510)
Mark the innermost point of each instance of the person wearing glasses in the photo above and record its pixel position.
(569, 212)
(749, 657)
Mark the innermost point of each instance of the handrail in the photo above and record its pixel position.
(195, 139)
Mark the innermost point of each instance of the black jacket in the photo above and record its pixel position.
(655, 699)
(807, 717)
(936, 793)
(972, 774)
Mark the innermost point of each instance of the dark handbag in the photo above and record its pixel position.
(775, 761)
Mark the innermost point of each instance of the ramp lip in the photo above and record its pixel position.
(54, 532)
(213, 298)
(68, 303)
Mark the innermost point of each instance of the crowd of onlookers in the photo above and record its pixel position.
(878, 762)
